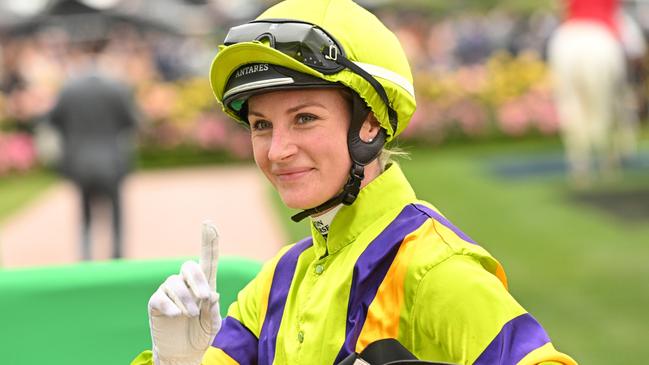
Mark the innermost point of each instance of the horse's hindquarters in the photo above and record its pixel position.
(587, 63)
(583, 48)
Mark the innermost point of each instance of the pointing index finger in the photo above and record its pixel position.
(209, 253)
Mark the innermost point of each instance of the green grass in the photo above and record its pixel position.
(582, 272)
(19, 189)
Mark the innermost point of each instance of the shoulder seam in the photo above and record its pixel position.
(446, 223)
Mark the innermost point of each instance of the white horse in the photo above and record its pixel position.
(591, 93)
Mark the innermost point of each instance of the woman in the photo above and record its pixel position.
(322, 93)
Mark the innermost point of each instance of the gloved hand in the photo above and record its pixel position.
(184, 312)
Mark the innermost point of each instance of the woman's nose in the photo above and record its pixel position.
(282, 145)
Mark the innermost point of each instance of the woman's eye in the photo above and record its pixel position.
(260, 125)
(305, 118)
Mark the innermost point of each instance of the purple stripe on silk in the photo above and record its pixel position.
(438, 217)
(517, 338)
(370, 270)
(237, 341)
(277, 300)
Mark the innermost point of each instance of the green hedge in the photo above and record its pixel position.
(91, 313)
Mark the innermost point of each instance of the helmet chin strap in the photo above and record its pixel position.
(361, 153)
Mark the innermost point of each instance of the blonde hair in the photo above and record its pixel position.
(389, 154)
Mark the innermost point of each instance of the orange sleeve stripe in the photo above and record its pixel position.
(500, 274)
(383, 315)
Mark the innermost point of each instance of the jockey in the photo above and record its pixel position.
(322, 85)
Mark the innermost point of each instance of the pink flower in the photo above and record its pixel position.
(166, 135)
(471, 116)
(542, 111)
(210, 132)
(428, 123)
(513, 118)
(158, 101)
(472, 79)
(16, 152)
(4, 160)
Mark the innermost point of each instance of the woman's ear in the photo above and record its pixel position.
(370, 128)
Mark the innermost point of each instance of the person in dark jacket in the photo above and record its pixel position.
(96, 118)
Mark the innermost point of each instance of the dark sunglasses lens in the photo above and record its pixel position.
(280, 32)
(300, 41)
(245, 33)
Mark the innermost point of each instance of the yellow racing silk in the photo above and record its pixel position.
(391, 267)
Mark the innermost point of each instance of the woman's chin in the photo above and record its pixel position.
(299, 203)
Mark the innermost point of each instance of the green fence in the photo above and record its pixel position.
(91, 313)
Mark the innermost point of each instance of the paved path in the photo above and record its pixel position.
(163, 211)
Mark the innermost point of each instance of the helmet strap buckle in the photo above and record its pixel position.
(333, 53)
(353, 185)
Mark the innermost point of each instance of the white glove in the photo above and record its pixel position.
(184, 312)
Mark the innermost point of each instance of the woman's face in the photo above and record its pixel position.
(299, 140)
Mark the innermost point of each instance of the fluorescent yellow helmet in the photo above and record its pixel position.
(361, 37)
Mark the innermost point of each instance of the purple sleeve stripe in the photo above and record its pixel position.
(279, 289)
(237, 341)
(516, 339)
(370, 270)
(438, 217)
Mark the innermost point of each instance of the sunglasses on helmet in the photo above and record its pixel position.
(308, 44)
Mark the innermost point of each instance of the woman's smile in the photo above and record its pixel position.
(291, 175)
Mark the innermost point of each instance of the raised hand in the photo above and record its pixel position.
(184, 312)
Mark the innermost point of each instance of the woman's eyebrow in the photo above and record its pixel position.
(304, 105)
(258, 114)
(290, 110)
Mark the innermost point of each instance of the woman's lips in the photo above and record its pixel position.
(292, 175)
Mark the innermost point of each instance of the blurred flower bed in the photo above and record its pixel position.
(505, 97)
(183, 119)
(17, 152)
